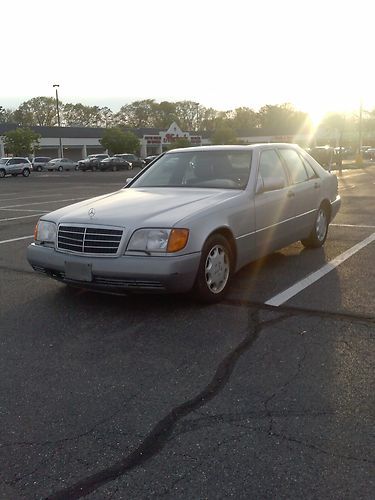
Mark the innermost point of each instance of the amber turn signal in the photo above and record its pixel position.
(177, 240)
(36, 231)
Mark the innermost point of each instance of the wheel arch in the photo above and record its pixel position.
(327, 206)
(228, 235)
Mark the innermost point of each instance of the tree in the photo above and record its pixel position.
(137, 114)
(117, 141)
(79, 115)
(224, 135)
(283, 119)
(21, 141)
(180, 142)
(245, 120)
(37, 111)
(187, 113)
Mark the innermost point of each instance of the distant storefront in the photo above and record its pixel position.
(156, 143)
(79, 142)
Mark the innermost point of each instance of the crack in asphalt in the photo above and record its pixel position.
(155, 441)
(313, 447)
(67, 439)
(281, 389)
(300, 311)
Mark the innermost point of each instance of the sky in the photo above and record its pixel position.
(317, 55)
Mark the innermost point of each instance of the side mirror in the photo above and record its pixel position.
(270, 184)
(128, 180)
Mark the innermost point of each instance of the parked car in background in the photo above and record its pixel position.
(61, 164)
(369, 154)
(325, 155)
(92, 162)
(149, 159)
(39, 163)
(115, 163)
(15, 166)
(133, 159)
(218, 208)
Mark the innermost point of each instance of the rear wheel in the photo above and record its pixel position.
(114, 168)
(39, 169)
(319, 232)
(25, 172)
(2, 172)
(60, 168)
(94, 168)
(215, 270)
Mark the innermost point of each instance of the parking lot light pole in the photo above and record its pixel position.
(56, 86)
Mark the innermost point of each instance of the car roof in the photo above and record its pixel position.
(236, 147)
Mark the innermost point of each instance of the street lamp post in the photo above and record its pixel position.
(56, 86)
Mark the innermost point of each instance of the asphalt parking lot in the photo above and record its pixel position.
(268, 394)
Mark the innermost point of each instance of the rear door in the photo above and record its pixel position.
(305, 188)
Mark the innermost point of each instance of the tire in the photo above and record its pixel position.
(76, 168)
(60, 169)
(215, 270)
(2, 173)
(319, 232)
(25, 172)
(114, 168)
(38, 169)
(94, 168)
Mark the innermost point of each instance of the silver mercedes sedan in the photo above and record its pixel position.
(189, 221)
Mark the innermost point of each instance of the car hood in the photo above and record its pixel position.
(142, 207)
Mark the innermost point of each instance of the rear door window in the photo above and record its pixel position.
(295, 165)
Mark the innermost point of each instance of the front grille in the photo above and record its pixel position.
(89, 239)
(128, 283)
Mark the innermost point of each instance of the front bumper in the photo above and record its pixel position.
(125, 273)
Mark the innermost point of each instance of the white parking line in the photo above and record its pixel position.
(22, 210)
(360, 226)
(16, 239)
(23, 217)
(350, 175)
(26, 197)
(298, 287)
(42, 203)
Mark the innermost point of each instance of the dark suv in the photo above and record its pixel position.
(92, 162)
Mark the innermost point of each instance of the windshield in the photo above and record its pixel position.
(228, 169)
(3, 161)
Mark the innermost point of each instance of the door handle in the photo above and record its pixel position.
(316, 185)
(291, 194)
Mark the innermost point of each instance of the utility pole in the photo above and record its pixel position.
(56, 86)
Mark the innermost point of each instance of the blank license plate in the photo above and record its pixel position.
(77, 271)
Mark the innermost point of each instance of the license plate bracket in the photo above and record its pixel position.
(78, 271)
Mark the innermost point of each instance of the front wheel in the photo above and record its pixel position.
(25, 172)
(114, 168)
(60, 168)
(38, 169)
(215, 270)
(319, 232)
(2, 172)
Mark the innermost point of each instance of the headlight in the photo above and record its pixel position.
(158, 240)
(45, 231)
